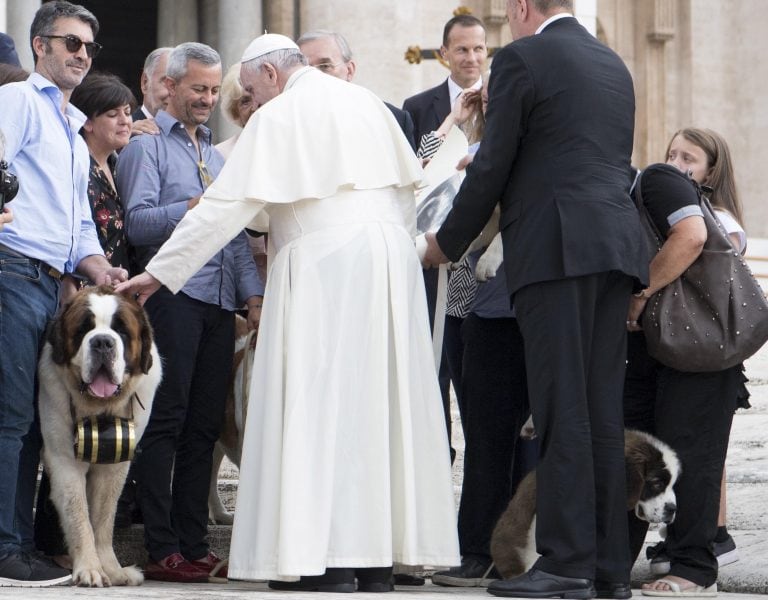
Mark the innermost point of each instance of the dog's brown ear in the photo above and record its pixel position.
(146, 341)
(635, 482)
(56, 336)
(635, 460)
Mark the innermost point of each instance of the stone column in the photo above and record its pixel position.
(177, 22)
(661, 30)
(237, 24)
(20, 14)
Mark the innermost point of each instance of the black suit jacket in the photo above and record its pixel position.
(404, 120)
(138, 114)
(428, 110)
(556, 155)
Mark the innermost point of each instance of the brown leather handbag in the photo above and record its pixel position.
(715, 315)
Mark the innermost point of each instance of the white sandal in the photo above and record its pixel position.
(697, 591)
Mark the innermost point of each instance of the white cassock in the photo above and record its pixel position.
(345, 461)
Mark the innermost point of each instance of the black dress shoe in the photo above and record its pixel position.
(408, 579)
(539, 584)
(473, 572)
(375, 579)
(336, 581)
(613, 589)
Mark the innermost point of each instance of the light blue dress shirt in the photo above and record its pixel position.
(51, 215)
(156, 176)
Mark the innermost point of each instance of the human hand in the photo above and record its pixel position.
(466, 104)
(111, 276)
(192, 202)
(636, 307)
(254, 312)
(144, 126)
(464, 162)
(433, 256)
(5, 217)
(141, 287)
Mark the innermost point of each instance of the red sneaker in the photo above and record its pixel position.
(176, 568)
(214, 566)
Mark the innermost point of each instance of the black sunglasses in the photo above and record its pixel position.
(74, 43)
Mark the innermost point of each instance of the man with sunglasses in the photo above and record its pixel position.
(43, 149)
(161, 177)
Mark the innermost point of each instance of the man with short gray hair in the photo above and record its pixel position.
(160, 178)
(330, 53)
(153, 88)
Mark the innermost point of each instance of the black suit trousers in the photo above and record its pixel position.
(574, 331)
(175, 455)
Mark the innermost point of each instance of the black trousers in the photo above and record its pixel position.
(174, 458)
(574, 331)
(453, 353)
(693, 413)
(496, 406)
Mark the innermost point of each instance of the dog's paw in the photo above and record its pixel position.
(222, 518)
(488, 264)
(485, 269)
(90, 577)
(127, 576)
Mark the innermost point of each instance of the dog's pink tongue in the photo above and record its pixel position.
(101, 386)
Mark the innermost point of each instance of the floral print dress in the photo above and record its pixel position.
(108, 214)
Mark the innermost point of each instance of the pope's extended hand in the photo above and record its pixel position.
(141, 287)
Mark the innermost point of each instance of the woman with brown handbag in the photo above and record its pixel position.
(692, 412)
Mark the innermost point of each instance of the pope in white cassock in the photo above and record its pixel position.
(345, 462)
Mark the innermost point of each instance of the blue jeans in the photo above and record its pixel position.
(28, 300)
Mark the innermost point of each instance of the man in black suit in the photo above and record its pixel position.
(330, 52)
(465, 51)
(556, 156)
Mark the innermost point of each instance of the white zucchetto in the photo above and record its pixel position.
(264, 44)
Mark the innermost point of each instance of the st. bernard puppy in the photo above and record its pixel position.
(652, 468)
(99, 359)
(230, 442)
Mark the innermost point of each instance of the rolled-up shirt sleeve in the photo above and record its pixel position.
(147, 223)
(247, 277)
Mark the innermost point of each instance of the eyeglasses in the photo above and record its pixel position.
(74, 43)
(326, 67)
(205, 176)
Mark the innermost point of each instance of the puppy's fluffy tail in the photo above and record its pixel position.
(511, 537)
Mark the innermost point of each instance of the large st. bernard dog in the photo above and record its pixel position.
(99, 359)
(652, 468)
